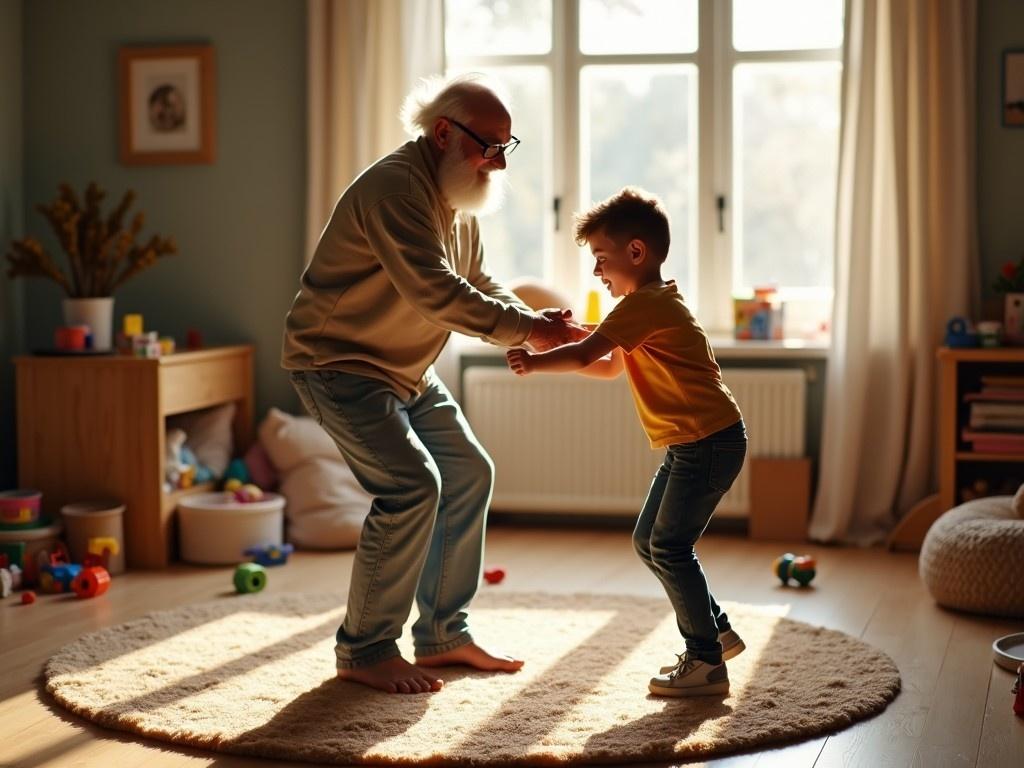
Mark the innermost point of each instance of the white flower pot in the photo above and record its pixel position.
(1013, 319)
(96, 313)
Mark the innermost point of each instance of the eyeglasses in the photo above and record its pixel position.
(489, 151)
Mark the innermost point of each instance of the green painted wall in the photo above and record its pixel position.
(11, 218)
(238, 223)
(1000, 149)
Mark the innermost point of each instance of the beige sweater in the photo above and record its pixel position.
(395, 271)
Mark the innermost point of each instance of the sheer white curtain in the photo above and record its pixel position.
(364, 57)
(906, 256)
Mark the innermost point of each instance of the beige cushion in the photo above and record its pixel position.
(537, 296)
(208, 434)
(1018, 501)
(326, 506)
(973, 558)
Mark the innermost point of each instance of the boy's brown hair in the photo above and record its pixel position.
(631, 213)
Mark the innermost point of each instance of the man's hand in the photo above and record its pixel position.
(553, 328)
(519, 361)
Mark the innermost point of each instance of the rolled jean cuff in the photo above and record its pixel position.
(451, 645)
(369, 657)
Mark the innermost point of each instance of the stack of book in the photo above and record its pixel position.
(996, 423)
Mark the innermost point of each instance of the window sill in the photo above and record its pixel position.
(725, 347)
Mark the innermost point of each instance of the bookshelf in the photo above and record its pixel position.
(986, 465)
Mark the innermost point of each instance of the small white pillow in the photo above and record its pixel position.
(326, 505)
(208, 434)
(1018, 501)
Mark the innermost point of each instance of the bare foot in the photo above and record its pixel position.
(394, 675)
(472, 655)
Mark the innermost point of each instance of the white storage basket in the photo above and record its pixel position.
(214, 529)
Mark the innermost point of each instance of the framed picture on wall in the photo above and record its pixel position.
(1013, 88)
(167, 105)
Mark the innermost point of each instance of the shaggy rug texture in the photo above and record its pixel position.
(254, 675)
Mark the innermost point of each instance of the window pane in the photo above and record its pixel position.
(516, 238)
(496, 27)
(628, 26)
(638, 127)
(780, 25)
(786, 137)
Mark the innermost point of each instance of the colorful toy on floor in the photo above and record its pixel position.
(272, 554)
(101, 549)
(800, 568)
(248, 493)
(494, 575)
(250, 577)
(91, 582)
(27, 598)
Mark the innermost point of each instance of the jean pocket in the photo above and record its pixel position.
(726, 463)
(306, 395)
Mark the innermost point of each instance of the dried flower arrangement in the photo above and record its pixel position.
(102, 254)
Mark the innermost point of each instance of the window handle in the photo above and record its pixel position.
(720, 205)
(556, 206)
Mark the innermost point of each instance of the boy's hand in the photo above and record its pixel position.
(519, 361)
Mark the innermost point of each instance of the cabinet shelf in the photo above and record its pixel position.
(973, 456)
(171, 498)
(94, 428)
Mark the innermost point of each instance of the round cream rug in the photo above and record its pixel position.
(254, 675)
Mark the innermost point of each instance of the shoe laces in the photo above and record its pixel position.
(685, 664)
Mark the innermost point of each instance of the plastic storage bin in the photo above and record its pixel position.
(93, 519)
(214, 529)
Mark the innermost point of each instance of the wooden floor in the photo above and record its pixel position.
(954, 708)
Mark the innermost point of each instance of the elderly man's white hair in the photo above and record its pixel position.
(437, 97)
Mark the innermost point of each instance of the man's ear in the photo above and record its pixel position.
(637, 250)
(442, 133)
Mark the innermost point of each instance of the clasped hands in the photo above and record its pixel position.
(551, 328)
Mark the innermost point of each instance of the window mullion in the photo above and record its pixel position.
(566, 167)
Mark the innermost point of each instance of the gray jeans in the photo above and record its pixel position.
(423, 538)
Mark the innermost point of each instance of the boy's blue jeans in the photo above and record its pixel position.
(423, 538)
(686, 489)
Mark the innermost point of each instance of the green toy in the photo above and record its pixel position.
(250, 577)
(789, 566)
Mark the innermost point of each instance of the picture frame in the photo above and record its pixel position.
(167, 105)
(1012, 102)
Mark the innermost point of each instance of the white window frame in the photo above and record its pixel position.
(715, 59)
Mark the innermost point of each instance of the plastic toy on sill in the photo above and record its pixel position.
(272, 554)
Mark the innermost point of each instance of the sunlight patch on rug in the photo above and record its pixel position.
(254, 675)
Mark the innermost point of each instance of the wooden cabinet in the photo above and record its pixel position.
(960, 466)
(93, 428)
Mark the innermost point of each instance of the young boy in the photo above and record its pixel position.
(683, 406)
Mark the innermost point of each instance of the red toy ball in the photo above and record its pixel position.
(494, 575)
(28, 597)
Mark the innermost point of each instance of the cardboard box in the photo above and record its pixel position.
(780, 498)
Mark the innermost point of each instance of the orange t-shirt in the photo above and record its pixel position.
(677, 385)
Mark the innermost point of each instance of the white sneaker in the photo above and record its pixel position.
(732, 645)
(692, 677)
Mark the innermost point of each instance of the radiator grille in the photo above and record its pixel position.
(565, 443)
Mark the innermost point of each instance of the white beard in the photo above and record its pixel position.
(462, 186)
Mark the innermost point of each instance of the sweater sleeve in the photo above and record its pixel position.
(402, 232)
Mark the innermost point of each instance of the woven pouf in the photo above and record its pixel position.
(973, 558)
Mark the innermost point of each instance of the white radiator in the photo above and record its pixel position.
(567, 443)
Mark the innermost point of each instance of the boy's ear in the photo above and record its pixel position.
(637, 250)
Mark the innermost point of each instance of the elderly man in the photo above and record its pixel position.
(397, 269)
